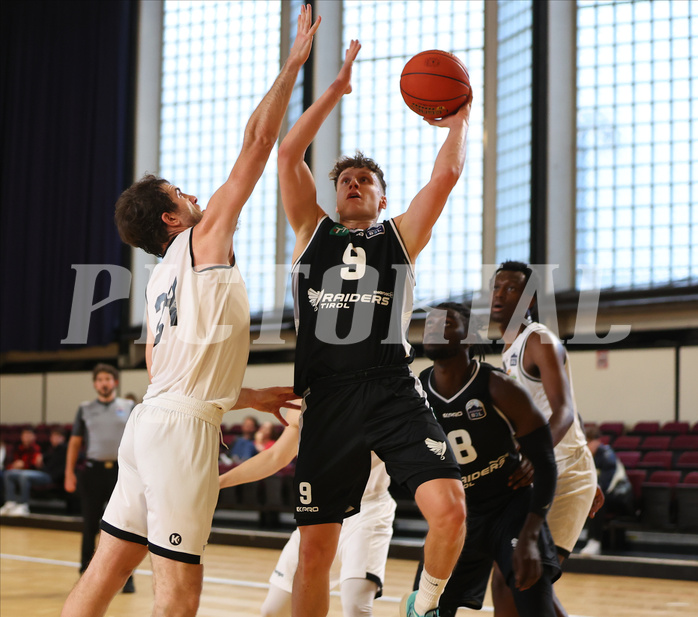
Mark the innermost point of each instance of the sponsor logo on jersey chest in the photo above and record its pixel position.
(339, 230)
(475, 409)
(320, 299)
(378, 230)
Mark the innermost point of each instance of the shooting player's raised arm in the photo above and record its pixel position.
(416, 223)
(298, 192)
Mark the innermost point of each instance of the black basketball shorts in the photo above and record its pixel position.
(491, 535)
(344, 418)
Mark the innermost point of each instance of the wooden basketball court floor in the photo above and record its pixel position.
(39, 567)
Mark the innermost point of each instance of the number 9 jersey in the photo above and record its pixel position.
(352, 291)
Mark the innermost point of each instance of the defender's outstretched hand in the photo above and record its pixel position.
(269, 400)
(304, 35)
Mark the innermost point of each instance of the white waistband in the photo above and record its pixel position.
(209, 412)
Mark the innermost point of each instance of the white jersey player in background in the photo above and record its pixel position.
(363, 541)
(535, 357)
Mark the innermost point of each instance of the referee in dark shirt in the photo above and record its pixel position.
(98, 426)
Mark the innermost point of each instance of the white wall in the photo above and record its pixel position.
(688, 384)
(21, 398)
(65, 392)
(635, 385)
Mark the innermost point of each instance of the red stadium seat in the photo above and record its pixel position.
(614, 428)
(626, 442)
(665, 476)
(691, 478)
(687, 460)
(675, 428)
(694, 429)
(644, 428)
(629, 458)
(655, 442)
(684, 442)
(656, 459)
(637, 478)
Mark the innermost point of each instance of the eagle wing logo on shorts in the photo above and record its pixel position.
(314, 297)
(437, 447)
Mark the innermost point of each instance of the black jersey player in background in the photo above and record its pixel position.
(352, 283)
(482, 411)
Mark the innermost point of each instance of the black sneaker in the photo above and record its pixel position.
(129, 587)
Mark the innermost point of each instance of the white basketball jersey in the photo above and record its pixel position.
(201, 324)
(512, 359)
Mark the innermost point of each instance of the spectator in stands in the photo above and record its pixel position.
(55, 456)
(24, 469)
(615, 485)
(264, 437)
(99, 425)
(363, 541)
(244, 447)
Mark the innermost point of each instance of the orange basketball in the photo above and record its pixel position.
(434, 83)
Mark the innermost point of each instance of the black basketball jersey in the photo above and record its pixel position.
(352, 292)
(480, 436)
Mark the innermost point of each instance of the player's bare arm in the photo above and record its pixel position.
(416, 223)
(70, 483)
(268, 461)
(298, 192)
(528, 421)
(545, 358)
(515, 403)
(212, 236)
(269, 400)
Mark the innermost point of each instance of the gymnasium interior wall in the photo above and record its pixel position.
(616, 385)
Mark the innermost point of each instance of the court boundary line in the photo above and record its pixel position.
(232, 582)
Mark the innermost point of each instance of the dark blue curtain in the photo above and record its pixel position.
(67, 83)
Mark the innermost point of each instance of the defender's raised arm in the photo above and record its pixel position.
(262, 130)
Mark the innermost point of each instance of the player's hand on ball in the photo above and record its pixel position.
(460, 116)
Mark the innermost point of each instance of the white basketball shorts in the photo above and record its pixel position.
(167, 487)
(576, 487)
(362, 551)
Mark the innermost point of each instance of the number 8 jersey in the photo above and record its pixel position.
(480, 435)
(352, 292)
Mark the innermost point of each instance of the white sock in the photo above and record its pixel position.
(430, 590)
(277, 603)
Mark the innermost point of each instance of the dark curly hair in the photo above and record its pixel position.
(478, 348)
(516, 266)
(359, 161)
(104, 368)
(139, 212)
